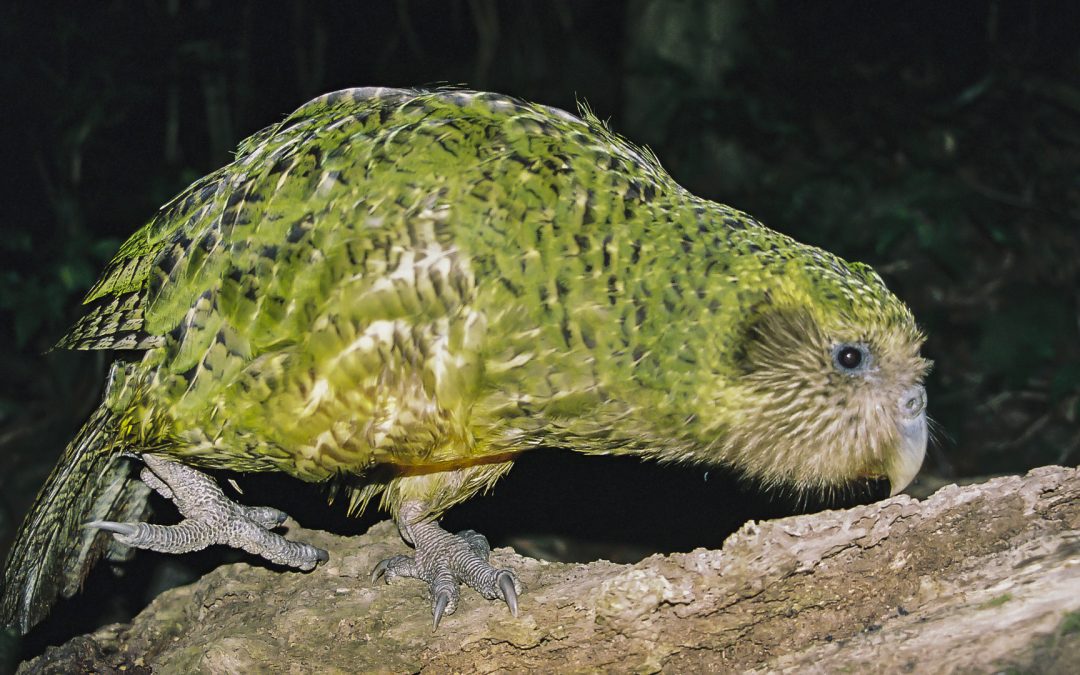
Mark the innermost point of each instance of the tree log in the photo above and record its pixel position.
(976, 578)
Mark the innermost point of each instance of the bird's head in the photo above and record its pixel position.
(829, 386)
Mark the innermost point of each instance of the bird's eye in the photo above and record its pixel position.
(851, 358)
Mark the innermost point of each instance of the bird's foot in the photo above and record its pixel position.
(446, 560)
(209, 518)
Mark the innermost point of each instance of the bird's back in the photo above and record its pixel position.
(386, 276)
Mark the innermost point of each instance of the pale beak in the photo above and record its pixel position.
(912, 426)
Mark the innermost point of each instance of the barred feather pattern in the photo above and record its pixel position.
(53, 550)
(402, 290)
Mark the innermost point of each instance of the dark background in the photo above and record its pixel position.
(939, 142)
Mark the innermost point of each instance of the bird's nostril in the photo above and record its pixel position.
(915, 402)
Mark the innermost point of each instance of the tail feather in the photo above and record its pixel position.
(54, 551)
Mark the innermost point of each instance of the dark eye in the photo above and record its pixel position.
(851, 358)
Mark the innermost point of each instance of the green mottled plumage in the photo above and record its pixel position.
(410, 288)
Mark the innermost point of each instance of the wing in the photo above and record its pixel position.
(311, 211)
(114, 317)
(178, 242)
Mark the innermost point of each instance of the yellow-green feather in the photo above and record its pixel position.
(403, 290)
(443, 279)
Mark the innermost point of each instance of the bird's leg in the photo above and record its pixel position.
(209, 518)
(445, 560)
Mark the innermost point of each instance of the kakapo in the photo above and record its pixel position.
(402, 290)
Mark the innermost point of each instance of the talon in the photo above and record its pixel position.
(123, 529)
(441, 601)
(209, 518)
(506, 585)
(379, 570)
(447, 562)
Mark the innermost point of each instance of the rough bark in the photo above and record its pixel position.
(971, 579)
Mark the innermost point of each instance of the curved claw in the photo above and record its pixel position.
(380, 570)
(123, 529)
(441, 601)
(506, 585)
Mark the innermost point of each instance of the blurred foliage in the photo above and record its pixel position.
(939, 142)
